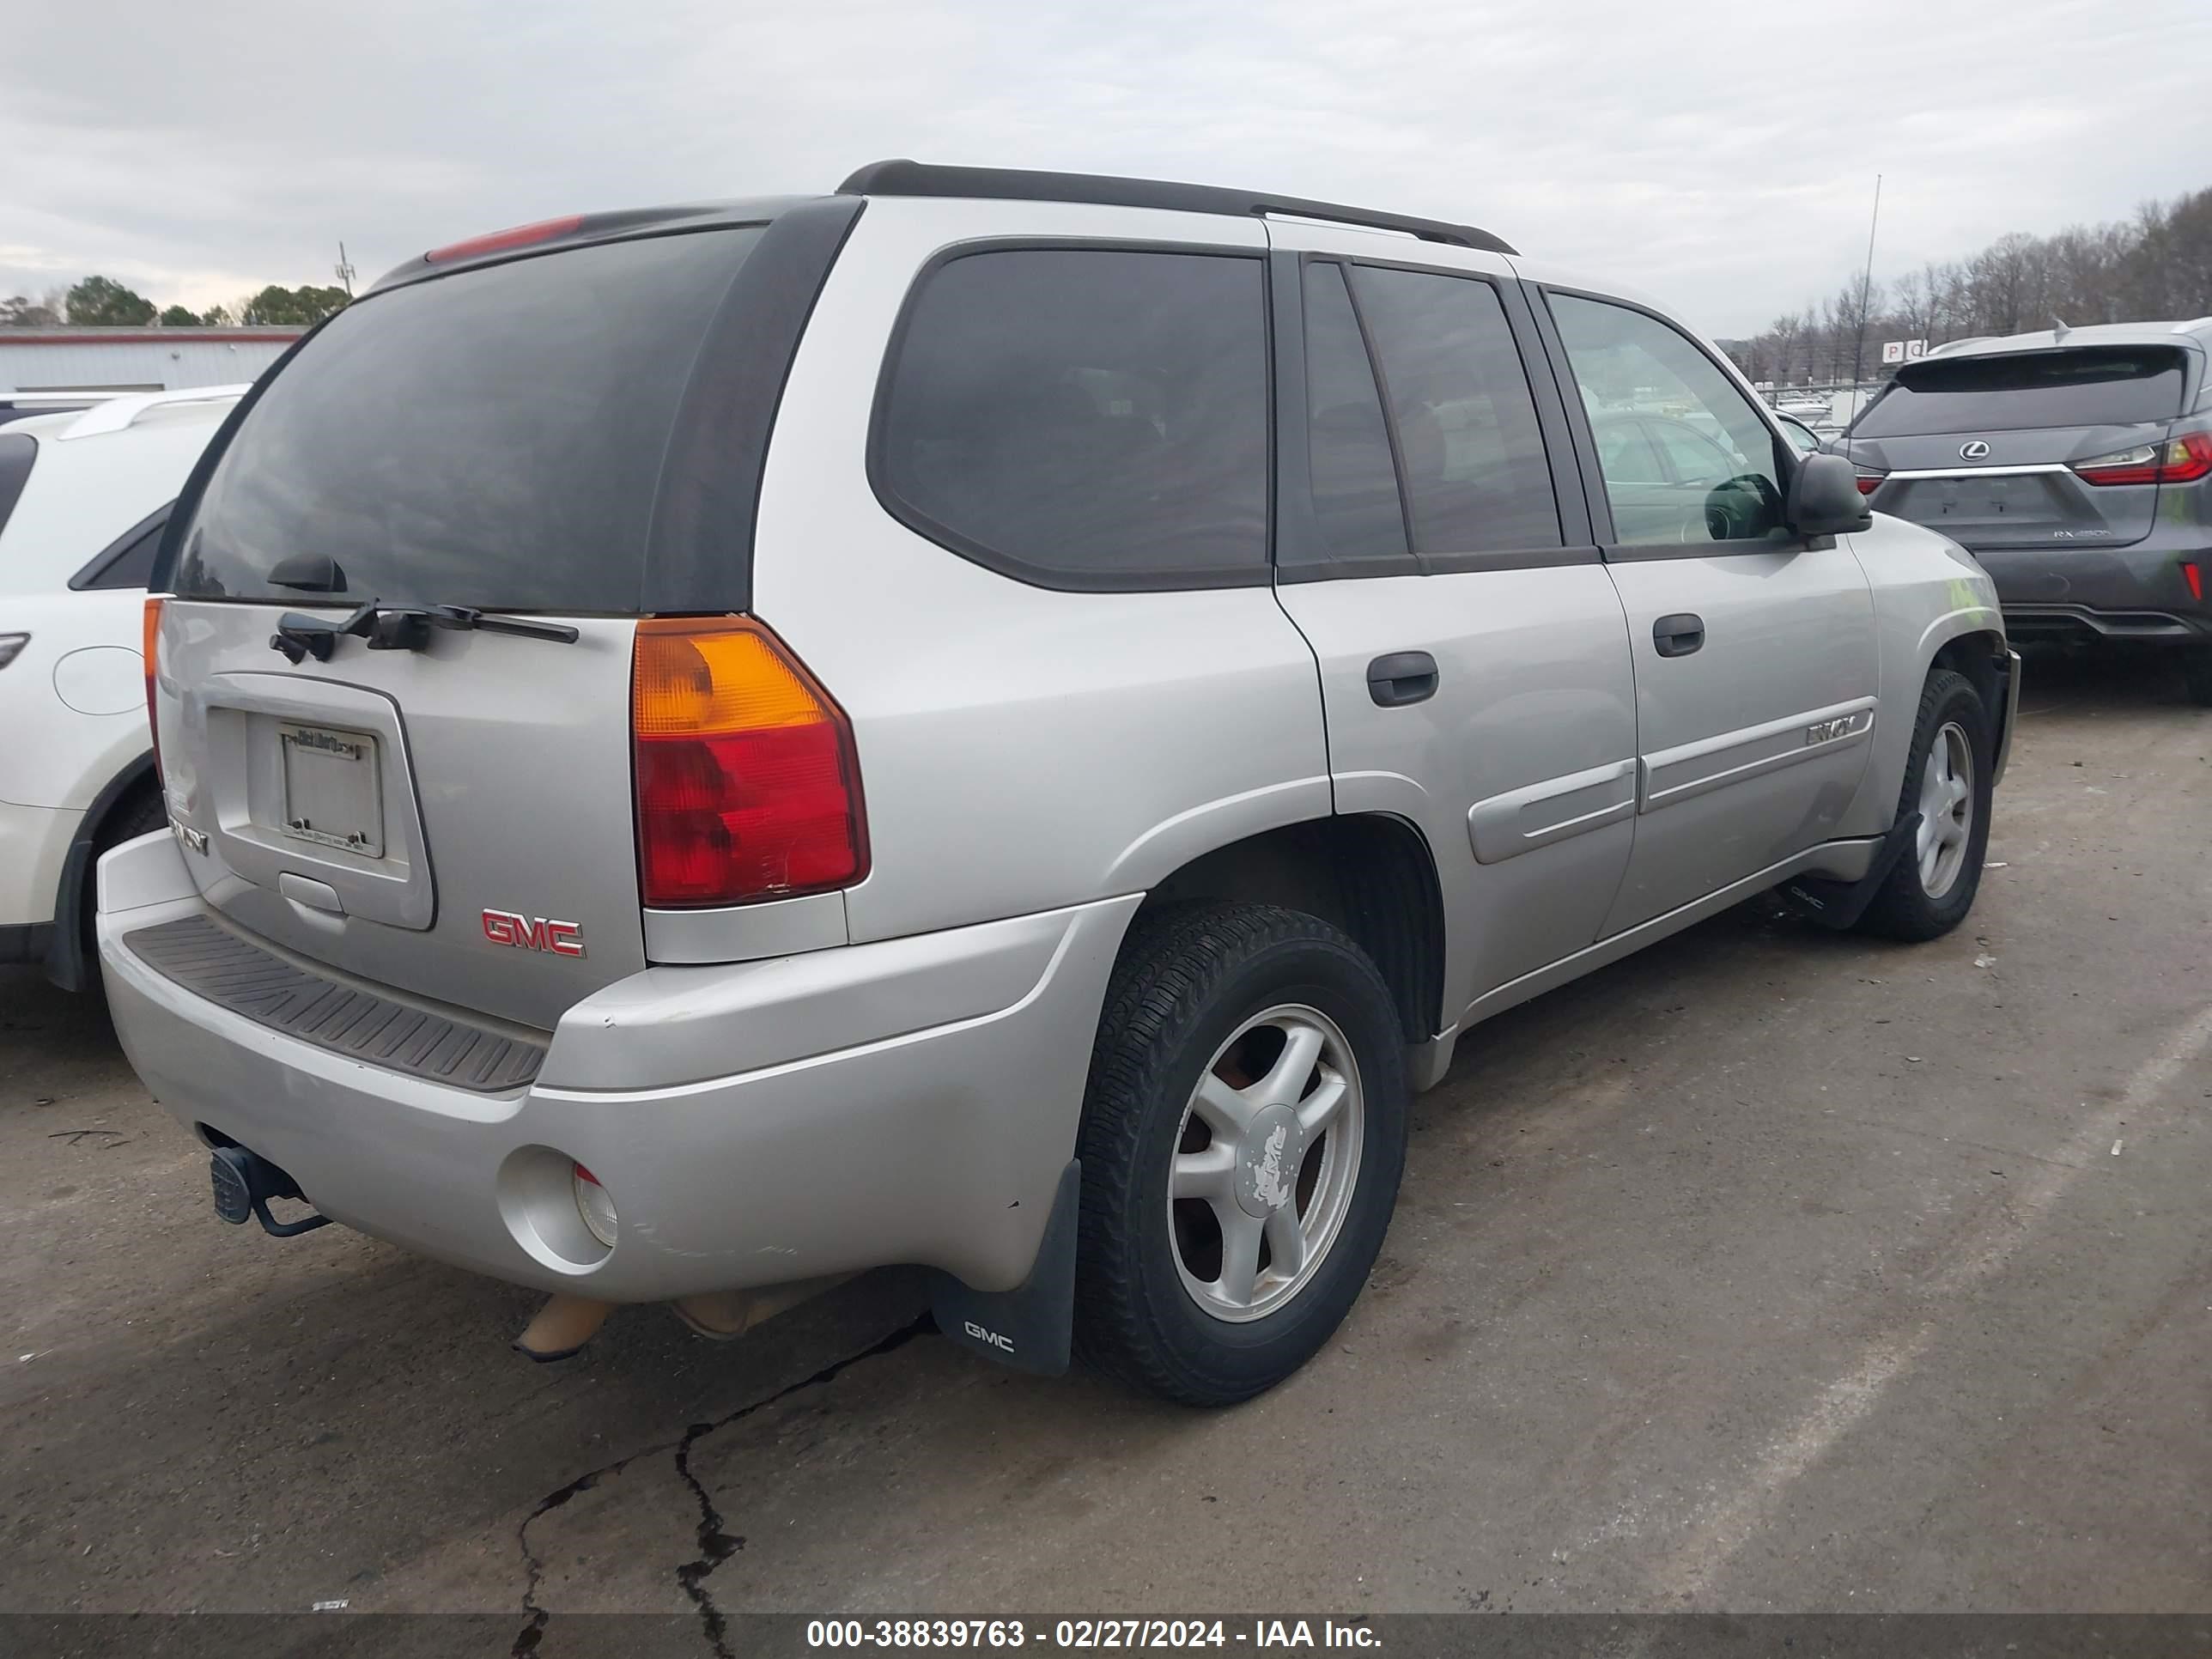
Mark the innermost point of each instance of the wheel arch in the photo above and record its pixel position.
(1371, 874)
(69, 956)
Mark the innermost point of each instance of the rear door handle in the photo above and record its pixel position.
(1678, 635)
(1401, 677)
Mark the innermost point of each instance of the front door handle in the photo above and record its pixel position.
(1678, 635)
(1401, 677)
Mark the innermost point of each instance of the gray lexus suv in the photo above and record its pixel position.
(2076, 464)
(998, 721)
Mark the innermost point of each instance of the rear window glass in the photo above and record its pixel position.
(493, 438)
(17, 451)
(2099, 387)
(130, 562)
(1089, 417)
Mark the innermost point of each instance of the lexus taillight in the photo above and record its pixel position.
(1870, 481)
(149, 643)
(2177, 460)
(748, 787)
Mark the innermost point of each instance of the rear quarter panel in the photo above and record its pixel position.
(1927, 591)
(1020, 748)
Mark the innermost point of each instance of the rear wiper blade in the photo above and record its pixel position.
(401, 628)
(465, 618)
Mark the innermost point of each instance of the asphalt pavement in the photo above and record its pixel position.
(1768, 1270)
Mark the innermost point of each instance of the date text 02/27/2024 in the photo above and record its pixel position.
(1080, 1633)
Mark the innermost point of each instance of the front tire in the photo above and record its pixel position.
(1946, 781)
(1244, 1135)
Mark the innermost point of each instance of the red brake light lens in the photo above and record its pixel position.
(2194, 575)
(1870, 481)
(499, 242)
(2178, 460)
(748, 785)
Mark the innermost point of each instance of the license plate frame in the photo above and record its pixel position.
(331, 788)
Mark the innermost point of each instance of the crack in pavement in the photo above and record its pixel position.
(715, 1545)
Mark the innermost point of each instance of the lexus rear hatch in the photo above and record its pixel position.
(2027, 449)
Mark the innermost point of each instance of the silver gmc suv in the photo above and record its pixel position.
(995, 720)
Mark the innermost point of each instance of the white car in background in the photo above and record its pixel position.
(83, 498)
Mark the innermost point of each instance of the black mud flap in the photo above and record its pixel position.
(245, 1182)
(1032, 1328)
(1840, 904)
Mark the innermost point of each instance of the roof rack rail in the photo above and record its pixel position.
(902, 178)
(119, 413)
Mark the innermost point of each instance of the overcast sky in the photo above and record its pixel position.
(1719, 153)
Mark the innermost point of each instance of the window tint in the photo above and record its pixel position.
(2089, 386)
(489, 438)
(1727, 477)
(17, 454)
(1096, 416)
(129, 564)
(1476, 478)
(1355, 484)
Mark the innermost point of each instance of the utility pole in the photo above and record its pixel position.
(1866, 288)
(345, 272)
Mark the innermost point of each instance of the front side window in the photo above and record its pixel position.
(1723, 478)
(1085, 416)
(1477, 480)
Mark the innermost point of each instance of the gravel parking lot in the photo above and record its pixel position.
(1767, 1270)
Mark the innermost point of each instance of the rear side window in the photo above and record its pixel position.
(1355, 482)
(128, 562)
(1084, 417)
(2089, 386)
(1469, 444)
(492, 438)
(17, 451)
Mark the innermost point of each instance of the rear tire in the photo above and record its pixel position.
(1235, 1192)
(1931, 887)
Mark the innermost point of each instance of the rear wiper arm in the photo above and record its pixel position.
(401, 628)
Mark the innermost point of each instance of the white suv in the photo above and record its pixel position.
(83, 496)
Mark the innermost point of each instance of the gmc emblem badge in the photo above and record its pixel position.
(563, 938)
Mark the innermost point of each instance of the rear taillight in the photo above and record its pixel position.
(150, 642)
(2194, 575)
(2178, 460)
(748, 786)
(1870, 481)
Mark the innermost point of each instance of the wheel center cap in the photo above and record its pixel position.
(1268, 1168)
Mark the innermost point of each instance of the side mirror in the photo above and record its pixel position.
(1824, 499)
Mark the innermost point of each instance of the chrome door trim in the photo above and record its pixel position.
(1854, 722)
(1504, 826)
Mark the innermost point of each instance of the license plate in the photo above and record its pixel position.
(333, 788)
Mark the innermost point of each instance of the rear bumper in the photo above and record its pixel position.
(2047, 623)
(909, 1101)
(2122, 593)
(35, 844)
